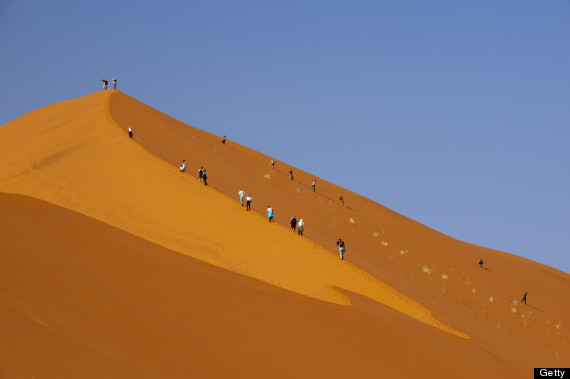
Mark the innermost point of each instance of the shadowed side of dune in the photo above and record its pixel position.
(433, 269)
(79, 298)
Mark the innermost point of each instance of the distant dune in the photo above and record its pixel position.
(114, 260)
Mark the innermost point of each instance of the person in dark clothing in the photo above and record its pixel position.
(205, 177)
(340, 244)
(114, 83)
(481, 263)
(105, 82)
(524, 297)
(341, 198)
(248, 202)
(224, 140)
(200, 174)
(272, 164)
(293, 223)
(291, 174)
(313, 186)
(130, 132)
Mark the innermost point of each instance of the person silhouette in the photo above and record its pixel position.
(524, 297)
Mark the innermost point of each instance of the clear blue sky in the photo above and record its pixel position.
(453, 113)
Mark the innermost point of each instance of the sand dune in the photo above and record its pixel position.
(77, 155)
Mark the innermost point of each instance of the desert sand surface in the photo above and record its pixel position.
(140, 237)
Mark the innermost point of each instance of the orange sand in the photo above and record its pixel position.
(77, 155)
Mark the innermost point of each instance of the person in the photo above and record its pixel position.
(130, 132)
(301, 227)
(105, 82)
(480, 263)
(183, 166)
(248, 202)
(200, 174)
(114, 83)
(524, 297)
(272, 164)
(270, 213)
(341, 198)
(224, 140)
(313, 186)
(205, 177)
(340, 244)
(293, 223)
(241, 195)
(291, 174)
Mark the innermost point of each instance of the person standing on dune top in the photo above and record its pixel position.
(105, 82)
(114, 83)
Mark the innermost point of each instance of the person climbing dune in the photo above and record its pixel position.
(341, 248)
(301, 227)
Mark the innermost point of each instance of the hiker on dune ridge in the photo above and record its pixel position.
(241, 194)
(293, 223)
(301, 227)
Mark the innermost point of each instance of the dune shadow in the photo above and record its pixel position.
(538, 309)
(488, 269)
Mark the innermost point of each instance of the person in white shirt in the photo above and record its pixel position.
(114, 83)
(241, 194)
(248, 202)
(300, 227)
(183, 166)
(130, 132)
(270, 213)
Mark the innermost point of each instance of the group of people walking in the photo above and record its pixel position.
(298, 226)
(202, 174)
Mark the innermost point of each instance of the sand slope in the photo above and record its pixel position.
(79, 298)
(74, 154)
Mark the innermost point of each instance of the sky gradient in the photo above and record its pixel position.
(454, 114)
